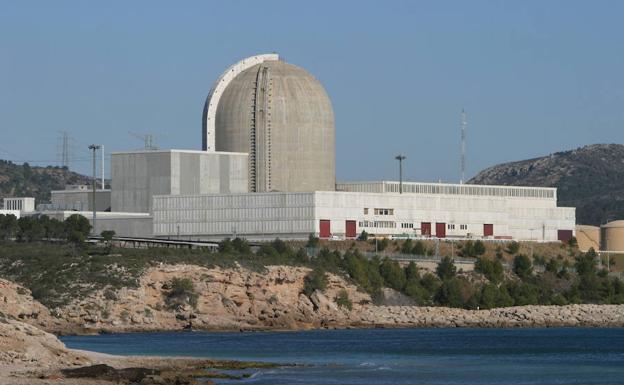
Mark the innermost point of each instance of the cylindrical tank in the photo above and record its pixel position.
(588, 237)
(280, 115)
(612, 236)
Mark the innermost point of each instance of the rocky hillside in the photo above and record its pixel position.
(590, 178)
(24, 180)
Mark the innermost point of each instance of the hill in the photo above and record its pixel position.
(24, 180)
(590, 178)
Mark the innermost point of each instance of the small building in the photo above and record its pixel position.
(588, 237)
(612, 236)
(21, 204)
(79, 199)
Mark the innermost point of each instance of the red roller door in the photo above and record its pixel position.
(488, 230)
(441, 230)
(325, 229)
(425, 228)
(564, 235)
(350, 229)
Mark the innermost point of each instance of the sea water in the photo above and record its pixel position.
(395, 356)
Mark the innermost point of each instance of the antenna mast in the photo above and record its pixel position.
(463, 146)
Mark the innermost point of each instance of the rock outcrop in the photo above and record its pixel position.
(23, 346)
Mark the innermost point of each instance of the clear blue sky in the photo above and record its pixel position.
(534, 76)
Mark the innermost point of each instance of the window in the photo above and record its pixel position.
(463, 227)
(365, 210)
(384, 211)
(450, 226)
(407, 225)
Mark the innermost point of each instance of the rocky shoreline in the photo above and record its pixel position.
(226, 300)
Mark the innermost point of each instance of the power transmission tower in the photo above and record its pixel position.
(464, 123)
(63, 148)
(148, 140)
(94, 148)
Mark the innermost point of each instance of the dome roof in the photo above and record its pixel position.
(618, 223)
(281, 115)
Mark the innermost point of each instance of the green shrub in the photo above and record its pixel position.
(342, 300)
(182, 292)
(513, 247)
(315, 280)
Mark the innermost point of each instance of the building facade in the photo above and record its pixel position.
(440, 210)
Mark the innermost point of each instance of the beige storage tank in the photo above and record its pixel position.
(612, 236)
(588, 237)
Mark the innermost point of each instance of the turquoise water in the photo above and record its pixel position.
(396, 356)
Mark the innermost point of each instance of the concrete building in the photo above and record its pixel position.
(79, 198)
(124, 224)
(21, 204)
(425, 210)
(139, 175)
(281, 116)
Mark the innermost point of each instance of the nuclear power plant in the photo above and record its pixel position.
(267, 170)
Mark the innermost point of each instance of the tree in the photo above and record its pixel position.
(107, 237)
(406, 247)
(513, 247)
(79, 224)
(419, 248)
(241, 246)
(492, 270)
(479, 247)
(573, 243)
(8, 226)
(411, 271)
(363, 236)
(393, 274)
(30, 229)
(313, 241)
(446, 269)
(457, 292)
(225, 246)
(522, 266)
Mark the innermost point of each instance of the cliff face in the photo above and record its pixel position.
(227, 299)
(590, 178)
(240, 299)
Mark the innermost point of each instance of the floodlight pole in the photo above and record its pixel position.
(94, 148)
(400, 158)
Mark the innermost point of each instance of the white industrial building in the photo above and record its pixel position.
(423, 210)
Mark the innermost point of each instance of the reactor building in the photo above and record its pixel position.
(278, 114)
(267, 170)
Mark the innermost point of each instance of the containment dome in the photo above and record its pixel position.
(280, 115)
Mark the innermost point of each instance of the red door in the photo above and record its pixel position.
(564, 235)
(488, 230)
(350, 229)
(425, 228)
(441, 230)
(325, 229)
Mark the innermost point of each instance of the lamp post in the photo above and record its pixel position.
(94, 148)
(400, 158)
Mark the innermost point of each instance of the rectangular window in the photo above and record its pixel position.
(365, 210)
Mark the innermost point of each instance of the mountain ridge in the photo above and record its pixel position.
(590, 178)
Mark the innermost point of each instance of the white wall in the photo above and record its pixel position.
(295, 215)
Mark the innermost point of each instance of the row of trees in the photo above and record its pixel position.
(32, 229)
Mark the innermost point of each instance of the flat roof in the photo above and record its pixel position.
(175, 150)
